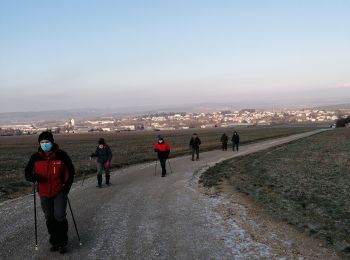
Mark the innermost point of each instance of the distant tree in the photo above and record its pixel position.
(342, 122)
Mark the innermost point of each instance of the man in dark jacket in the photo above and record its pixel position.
(53, 171)
(104, 156)
(235, 140)
(162, 147)
(224, 141)
(195, 142)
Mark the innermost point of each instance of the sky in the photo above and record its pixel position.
(83, 53)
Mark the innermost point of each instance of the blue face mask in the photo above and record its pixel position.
(46, 147)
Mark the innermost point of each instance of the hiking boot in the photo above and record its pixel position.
(62, 249)
(54, 248)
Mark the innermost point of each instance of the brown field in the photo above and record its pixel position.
(127, 147)
(305, 183)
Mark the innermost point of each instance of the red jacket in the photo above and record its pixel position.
(53, 171)
(162, 149)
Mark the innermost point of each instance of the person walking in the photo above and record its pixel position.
(53, 171)
(224, 141)
(195, 142)
(235, 141)
(103, 162)
(162, 147)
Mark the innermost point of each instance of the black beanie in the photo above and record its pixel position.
(46, 135)
(101, 141)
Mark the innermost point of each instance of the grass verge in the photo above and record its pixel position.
(305, 183)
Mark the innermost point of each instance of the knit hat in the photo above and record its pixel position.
(101, 141)
(46, 135)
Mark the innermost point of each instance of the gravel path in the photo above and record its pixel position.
(140, 216)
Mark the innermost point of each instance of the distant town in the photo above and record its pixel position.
(180, 120)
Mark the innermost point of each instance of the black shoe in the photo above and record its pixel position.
(54, 248)
(163, 175)
(99, 186)
(108, 183)
(62, 249)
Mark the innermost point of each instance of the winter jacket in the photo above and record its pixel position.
(224, 138)
(195, 142)
(103, 154)
(163, 149)
(235, 138)
(54, 171)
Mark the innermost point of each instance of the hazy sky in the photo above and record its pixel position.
(73, 54)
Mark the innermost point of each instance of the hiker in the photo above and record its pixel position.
(103, 162)
(235, 140)
(224, 141)
(162, 147)
(53, 171)
(195, 142)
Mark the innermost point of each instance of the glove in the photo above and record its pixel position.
(32, 177)
(65, 190)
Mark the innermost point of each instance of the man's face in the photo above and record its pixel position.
(46, 145)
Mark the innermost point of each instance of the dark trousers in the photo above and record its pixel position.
(195, 150)
(234, 145)
(163, 165)
(55, 214)
(100, 169)
(224, 146)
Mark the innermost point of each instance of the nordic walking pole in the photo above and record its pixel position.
(171, 170)
(82, 183)
(155, 169)
(75, 225)
(35, 223)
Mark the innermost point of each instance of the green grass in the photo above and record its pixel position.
(305, 183)
(127, 147)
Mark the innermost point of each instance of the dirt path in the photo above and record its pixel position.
(146, 217)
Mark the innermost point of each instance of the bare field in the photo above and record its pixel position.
(127, 147)
(305, 183)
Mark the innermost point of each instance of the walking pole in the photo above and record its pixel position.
(171, 170)
(75, 225)
(35, 223)
(155, 169)
(82, 183)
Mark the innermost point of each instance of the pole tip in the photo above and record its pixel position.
(36, 248)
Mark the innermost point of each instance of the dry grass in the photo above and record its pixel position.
(305, 183)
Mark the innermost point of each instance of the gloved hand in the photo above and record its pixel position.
(32, 177)
(65, 190)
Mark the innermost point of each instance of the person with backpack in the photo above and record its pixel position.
(53, 171)
(162, 148)
(195, 142)
(235, 141)
(224, 141)
(103, 153)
